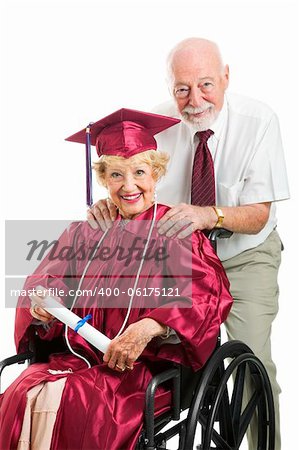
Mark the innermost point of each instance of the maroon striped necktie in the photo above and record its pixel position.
(203, 178)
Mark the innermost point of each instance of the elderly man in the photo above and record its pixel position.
(226, 170)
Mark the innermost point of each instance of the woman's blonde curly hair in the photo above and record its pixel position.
(156, 160)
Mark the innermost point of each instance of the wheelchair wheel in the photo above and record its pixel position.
(219, 416)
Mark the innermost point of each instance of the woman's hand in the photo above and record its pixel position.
(125, 349)
(36, 310)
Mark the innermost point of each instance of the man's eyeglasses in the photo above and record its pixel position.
(181, 92)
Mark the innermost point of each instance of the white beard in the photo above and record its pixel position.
(200, 123)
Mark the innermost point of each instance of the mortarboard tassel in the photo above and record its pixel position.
(88, 167)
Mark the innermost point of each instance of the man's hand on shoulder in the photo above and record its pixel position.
(184, 219)
(102, 214)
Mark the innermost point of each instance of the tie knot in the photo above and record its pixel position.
(204, 135)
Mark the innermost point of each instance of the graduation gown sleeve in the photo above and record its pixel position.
(57, 271)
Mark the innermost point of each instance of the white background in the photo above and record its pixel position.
(65, 63)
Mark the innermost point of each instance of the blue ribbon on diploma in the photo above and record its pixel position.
(81, 322)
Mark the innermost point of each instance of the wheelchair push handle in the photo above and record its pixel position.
(218, 233)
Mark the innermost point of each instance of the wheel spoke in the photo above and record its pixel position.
(247, 414)
(216, 438)
(237, 396)
(225, 418)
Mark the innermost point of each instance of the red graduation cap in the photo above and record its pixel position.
(125, 132)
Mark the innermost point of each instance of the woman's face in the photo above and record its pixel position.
(130, 185)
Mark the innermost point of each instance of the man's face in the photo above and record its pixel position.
(199, 84)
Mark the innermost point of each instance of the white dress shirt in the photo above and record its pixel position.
(248, 160)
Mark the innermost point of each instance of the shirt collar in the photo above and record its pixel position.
(219, 123)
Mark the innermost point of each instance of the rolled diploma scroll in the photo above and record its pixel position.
(93, 336)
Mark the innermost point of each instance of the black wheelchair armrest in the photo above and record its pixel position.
(16, 359)
(170, 374)
(39, 351)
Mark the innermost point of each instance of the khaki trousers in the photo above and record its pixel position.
(253, 279)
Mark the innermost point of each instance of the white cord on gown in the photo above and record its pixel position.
(139, 270)
(76, 296)
(134, 288)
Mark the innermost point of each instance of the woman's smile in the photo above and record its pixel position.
(131, 198)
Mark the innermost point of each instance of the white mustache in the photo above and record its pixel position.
(192, 110)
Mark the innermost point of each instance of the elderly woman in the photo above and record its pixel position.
(159, 300)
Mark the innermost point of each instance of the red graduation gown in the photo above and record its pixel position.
(100, 408)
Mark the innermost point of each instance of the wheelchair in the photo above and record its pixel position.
(211, 399)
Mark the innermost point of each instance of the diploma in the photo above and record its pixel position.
(93, 336)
